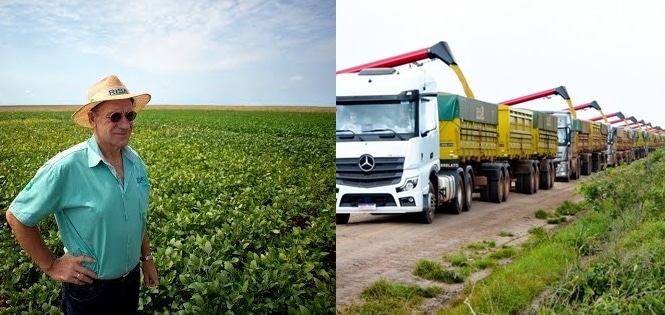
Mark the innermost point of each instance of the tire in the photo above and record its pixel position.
(575, 173)
(429, 206)
(586, 168)
(342, 218)
(496, 189)
(544, 179)
(552, 175)
(468, 191)
(519, 183)
(456, 205)
(527, 183)
(535, 174)
(506, 185)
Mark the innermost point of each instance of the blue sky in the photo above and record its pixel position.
(610, 51)
(228, 52)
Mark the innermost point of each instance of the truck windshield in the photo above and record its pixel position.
(376, 118)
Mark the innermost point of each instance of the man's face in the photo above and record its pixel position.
(109, 133)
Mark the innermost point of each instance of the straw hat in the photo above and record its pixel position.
(107, 89)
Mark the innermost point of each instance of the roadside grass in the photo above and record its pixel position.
(560, 214)
(610, 260)
(386, 297)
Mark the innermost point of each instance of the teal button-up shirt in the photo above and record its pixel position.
(97, 214)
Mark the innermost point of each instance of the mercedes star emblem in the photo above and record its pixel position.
(366, 163)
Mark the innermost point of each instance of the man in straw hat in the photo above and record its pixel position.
(98, 191)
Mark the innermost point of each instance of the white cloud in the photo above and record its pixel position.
(296, 78)
(172, 36)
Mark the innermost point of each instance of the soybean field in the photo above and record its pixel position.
(241, 215)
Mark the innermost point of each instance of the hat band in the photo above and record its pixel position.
(110, 92)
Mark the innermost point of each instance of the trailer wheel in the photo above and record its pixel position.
(468, 191)
(586, 168)
(535, 174)
(342, 218)
(544, 179)
(552, 175)
(576, 172)
(506, 184)
(527, 183)
(496, 188)
(455, 205)
(429, 206)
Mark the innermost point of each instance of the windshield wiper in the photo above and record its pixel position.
(387, 129)
(353, 134)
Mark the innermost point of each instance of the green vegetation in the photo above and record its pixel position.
(567, 208)
(435, 271)
(610, 260)
(386, 297)
(241, 213)
(542, 214)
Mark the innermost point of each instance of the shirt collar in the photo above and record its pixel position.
(95, 154)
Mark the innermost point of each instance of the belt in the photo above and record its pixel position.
(118, 280)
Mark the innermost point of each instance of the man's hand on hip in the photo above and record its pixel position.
(70, 269)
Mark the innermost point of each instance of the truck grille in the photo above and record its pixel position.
(386, 171)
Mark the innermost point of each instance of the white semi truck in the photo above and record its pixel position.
(387, 148)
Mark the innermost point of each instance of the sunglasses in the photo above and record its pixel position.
(116, 116)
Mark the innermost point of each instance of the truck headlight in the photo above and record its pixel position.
(410, 183)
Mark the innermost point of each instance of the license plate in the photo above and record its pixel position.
(366, 206)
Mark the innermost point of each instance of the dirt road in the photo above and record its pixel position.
(372, 247)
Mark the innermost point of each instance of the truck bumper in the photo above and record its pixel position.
(379, 200)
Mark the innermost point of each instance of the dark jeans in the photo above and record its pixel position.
(119, 296)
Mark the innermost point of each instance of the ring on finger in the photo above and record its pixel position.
(78, 275)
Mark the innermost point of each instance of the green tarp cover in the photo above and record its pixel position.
(577, 125)
(544, 121)
(453, 106)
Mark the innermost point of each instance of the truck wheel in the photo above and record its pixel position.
(535, 174)
(496, 188)
(506, 185)
(468, 191)
(527, 183)
(575, 173)
(544, 179)
(429, 206)
(586, 171)
(455, 205)
(342, 218)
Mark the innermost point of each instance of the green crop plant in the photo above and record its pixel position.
(240, 218)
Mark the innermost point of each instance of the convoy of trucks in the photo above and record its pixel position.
(403, 146)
